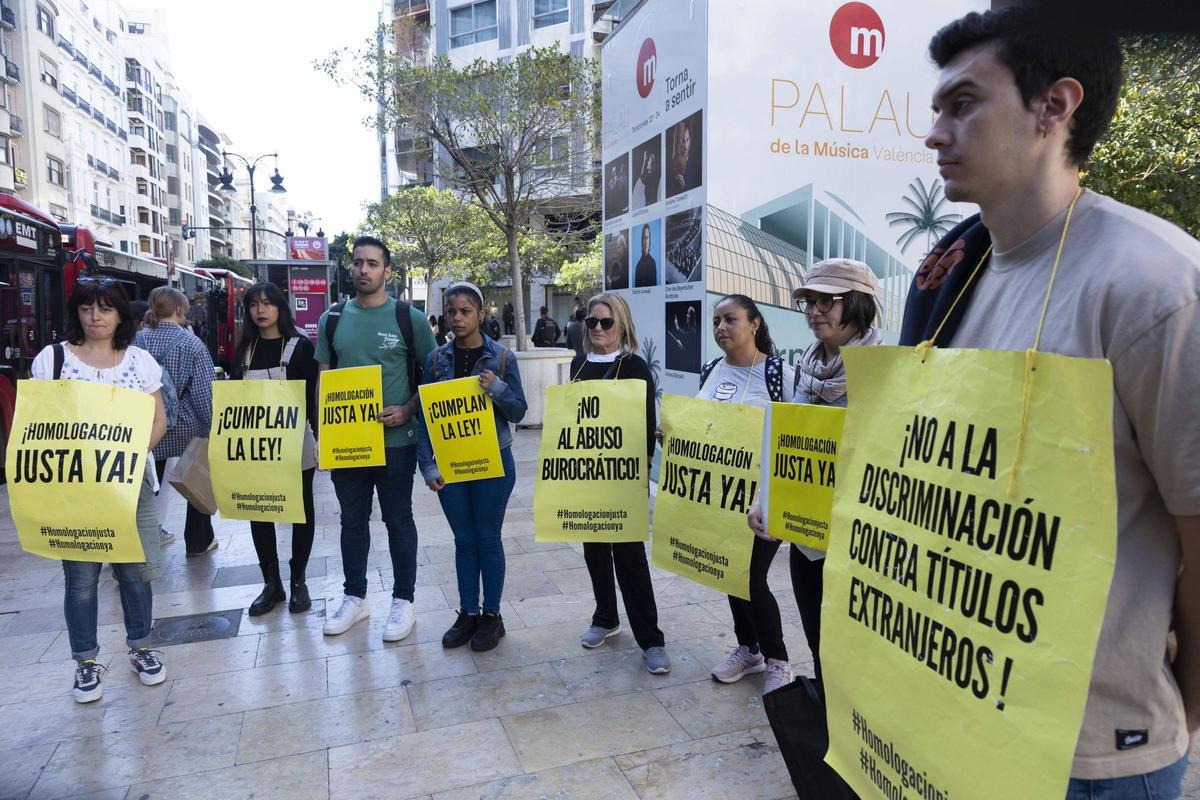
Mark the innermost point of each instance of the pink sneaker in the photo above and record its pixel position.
(741, 662)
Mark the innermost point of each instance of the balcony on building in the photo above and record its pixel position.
(101, 166)
(95, 71)
(98, 115)
(114, 173)
(122, 134)
(7, 183)
(16, 125)
(8, 17)
(81, 58)
(84, 105)
(112, 126)
(12, 73)
(68, 94)
(135, 105)
(5, 125)
(66, 45)
(111, 85)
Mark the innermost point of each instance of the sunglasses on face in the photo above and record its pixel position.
(821, 303)
(605, 324)
(102, 282)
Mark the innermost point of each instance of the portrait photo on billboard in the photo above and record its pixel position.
(685, 152)
(647, 253)
(616, 186)
(647, 173)
(684, 336)
(616, 260)
(685, 237)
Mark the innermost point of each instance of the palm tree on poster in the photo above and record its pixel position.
(649, 351)
(923, 214)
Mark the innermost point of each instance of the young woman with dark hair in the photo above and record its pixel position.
(98, 348)
(750, 372)
(475, 509)
(271, 348)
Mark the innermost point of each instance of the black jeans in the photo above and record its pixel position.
(756, 621)
(198, 529)
(808, 580)
(628, 561)
(302, 533)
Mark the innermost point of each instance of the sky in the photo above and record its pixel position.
(248, 66)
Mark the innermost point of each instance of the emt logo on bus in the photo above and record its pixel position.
(856, 34)
(647, 65)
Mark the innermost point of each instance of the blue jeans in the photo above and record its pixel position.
(1162, 784)
(475, 511)
(393, 483)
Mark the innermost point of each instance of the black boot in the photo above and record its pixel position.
(488, 633)
(461, 631)
(300, 601)
(272, 592)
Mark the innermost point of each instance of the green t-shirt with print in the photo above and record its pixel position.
(369, 336)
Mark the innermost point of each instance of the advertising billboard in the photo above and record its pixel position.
(307, 248)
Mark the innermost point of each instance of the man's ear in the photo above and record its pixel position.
(1059, 105)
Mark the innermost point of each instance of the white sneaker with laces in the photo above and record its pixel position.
(349, 612)
(400, 620)
(741, 662)
(779, 674)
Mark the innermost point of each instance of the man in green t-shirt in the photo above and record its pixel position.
(368, 334)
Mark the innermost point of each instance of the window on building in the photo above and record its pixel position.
(473, 23)
(53, 122)
(54, 171)
(49, 71)
(4, 159)
(45, 21)
(172, 184)
(169, 123)
(137, 28)
(172, 154)
(58, 212)
(549, 12)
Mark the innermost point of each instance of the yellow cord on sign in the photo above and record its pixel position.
(922, 349)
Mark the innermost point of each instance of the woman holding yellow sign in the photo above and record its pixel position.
(838, 302)
(99, 349)
(750, 372)
(474, 508)
(611, 345)
(273, 349)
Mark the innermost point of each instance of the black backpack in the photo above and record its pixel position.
(773, 372)
(403, 320)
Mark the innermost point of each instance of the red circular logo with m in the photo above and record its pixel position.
(647, 65)
(856, 34)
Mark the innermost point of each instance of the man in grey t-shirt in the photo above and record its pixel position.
(1020, 103)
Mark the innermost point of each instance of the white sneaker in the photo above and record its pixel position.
(349, 612)
(400, 621)
(779, 674)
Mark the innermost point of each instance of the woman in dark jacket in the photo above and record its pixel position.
(271, 348)
(611, 344)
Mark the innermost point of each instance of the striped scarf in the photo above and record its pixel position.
(824, 382)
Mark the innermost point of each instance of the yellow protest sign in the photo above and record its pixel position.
(75, 463)
(351, 434)
(804, 445)
(255, 448)
(462, 430)
(592, 469)
(709, 477)
(982, 608)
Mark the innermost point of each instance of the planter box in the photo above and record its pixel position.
(541, 367)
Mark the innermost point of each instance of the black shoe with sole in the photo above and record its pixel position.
(272, 592)
(461, 631)
(488, 633)
(300, 601)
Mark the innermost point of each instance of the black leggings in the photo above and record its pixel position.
(302, 533)
(756, 621)
(808, 579)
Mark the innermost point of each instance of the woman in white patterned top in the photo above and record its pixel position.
(100, 330)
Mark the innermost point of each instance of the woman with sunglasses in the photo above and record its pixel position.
(271, 348)
(838, 301)
(99, 348)
(611, 348)
(475, 509)
(750, 372)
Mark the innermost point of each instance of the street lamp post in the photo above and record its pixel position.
(228, 188)
(304, 225)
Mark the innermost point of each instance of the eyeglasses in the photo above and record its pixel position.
(821, 303)
(605, 324)
(102, 281)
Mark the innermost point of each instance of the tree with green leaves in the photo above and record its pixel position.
(581, 275)
(433, 233)
(514, 137)
(225, 262)
(923, 214)
(1150, 157)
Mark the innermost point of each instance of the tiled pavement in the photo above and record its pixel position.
(280, 711)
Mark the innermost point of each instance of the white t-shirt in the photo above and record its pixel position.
(137, 369)
(727, 384)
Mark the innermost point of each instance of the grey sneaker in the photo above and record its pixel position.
(657, 660)
(165, 537)
(779, 674)
(595, 636)
(741, 662)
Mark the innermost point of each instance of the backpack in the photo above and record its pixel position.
(403, 321)
(169, 397)
(773, 372)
